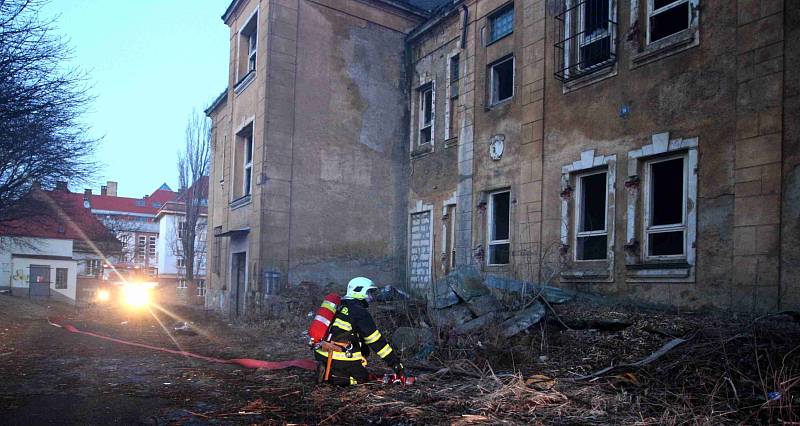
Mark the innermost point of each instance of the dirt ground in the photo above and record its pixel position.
(727, 371)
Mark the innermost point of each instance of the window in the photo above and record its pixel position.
(201, 288)
(452, 106)
(61, 278)
(181, 230)
(449, 238)
(93, 267)
(665, 202)
(426, 114)
(180, 262)
(182, 283)
(248, 47)
(151, 246)
(667, 17)
(499, 228)
(243, 172)
(156, 205)
(591, 235)
(501, 80)
(141, 248)
(586, 38)
(215, 247)
(501, 24)
(140, 203)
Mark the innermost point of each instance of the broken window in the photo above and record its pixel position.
(667, 17)
(501, 23)
(61, 278)
(590, 212)
(501, 80)
(426, 114)
(665, 225)
(454, 116)
(243, 173)
(248, 45)
(586, 37)
(499, 228)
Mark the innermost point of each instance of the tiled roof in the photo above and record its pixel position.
(149, 205)
(62, 216)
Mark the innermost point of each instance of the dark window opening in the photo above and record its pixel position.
(585, 33)
(426, 114)
(667, 192)
(502, 75)
(670, 21)
(500, 228)
(592, 248)
(593, 202)
(666, 243)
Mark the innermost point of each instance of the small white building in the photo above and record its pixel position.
(58, 253)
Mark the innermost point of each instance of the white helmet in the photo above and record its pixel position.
(357, 288)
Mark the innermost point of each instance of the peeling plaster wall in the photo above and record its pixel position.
(348, 165)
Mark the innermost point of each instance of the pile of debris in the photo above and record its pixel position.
(466, 302)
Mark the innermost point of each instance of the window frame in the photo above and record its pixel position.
(182, 283)
(647, 201)
(247, 164)
(492, 101)
(181, 229)
(577, 216)
(248, 35)
(489, 228)
(451, 128)
(652, 12)
(201, 288)
(180, 261)
(492, 18)
(59, 284)
(609, 32)
(421, 124)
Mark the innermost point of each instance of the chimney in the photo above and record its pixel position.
(61, 186)
(111, 188)
(87, 192)
(103, 190)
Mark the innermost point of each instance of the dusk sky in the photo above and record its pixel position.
(151, 62)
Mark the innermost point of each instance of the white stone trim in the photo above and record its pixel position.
(569, 172)
(661, 144)
(447, 111)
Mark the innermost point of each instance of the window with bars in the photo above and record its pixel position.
(61, 278)
(586, 38)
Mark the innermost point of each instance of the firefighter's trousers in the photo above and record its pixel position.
(344, 371)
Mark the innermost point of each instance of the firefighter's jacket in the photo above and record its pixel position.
(354, 324)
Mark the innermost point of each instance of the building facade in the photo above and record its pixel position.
(640, 149)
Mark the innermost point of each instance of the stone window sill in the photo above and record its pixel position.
(451, 142)
(666, 47)
(240, 202)
(244, 82)
(660, 271)
(422, 150)
(589, 79)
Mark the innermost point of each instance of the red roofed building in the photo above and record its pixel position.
(56, 250)
(133, 221)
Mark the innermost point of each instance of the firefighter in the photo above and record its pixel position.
(352, 335)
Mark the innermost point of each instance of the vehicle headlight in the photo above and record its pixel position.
(136, 296)
(103, 295)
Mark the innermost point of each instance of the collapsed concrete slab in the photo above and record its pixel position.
(522, 320)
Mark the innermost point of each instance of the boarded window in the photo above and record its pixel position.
(499, 228)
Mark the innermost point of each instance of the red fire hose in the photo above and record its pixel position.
(307, 364)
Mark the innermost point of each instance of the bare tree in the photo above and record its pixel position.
(41, 137)
(193, 164)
